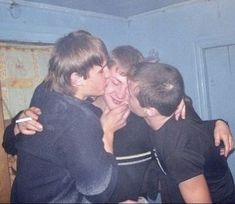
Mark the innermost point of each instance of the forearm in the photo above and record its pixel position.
(9, 138)
(108, 141)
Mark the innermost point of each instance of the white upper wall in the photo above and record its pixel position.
(47, 24)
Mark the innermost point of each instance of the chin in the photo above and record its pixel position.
(109, 102)
(112, 106)
(100, 94)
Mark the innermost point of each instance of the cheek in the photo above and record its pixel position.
(108, 90)
(130, 102)
(109, 87)
(127, 95)
(109, 101)
(133, 102)
(107, 97)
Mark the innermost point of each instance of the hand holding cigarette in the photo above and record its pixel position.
(27, 122)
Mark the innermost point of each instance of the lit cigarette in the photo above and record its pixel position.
(23, 120)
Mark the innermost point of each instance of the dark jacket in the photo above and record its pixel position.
(67, 160)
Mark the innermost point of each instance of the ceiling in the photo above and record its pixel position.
(120, 8)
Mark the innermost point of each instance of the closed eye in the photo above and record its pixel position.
(101, 71)
(115, 81)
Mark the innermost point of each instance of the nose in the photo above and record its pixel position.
(106, 72)
(123, 93)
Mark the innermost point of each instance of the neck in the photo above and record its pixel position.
(100, 103)
(156, 121)
(81, 97)
(79, 94)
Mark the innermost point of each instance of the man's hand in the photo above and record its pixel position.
(181, 110)
(114, 119)
(222, 133)
(29, 127)
(111, 121)
(128, 202)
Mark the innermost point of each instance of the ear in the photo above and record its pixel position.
(76, 79)
(150, 111)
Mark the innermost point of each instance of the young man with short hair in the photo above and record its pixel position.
(192, 167)
(67, 160)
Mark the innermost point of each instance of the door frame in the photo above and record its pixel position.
(201, 70)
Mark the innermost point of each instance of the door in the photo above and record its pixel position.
(219, 70)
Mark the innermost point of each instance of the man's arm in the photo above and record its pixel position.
(93, 169)
(195, 190)
(27, 128)
(222, 132)
(9, 138)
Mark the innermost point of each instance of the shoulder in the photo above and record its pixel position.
(178, 136)
(60, 108)
(184, 164)
(182, 127)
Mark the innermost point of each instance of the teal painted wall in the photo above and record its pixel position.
(176, 32)
(48, 24)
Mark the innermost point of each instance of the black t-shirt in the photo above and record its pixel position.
(186, 149)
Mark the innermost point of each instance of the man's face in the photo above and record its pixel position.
(116, 92)
(97, 80)
(134, 104)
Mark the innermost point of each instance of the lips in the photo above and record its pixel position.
(116, 101)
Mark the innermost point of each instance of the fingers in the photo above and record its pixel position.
(231, 142)
(226, 148)
(114, 119)
(181, 110)
(128, 201)
(222, 133)
(222, 151)
(28, 132)
(228, 144)
(32, 112)
(183, 115)
(177, 116)
(32, 126)
(122, 112)
(126, 114)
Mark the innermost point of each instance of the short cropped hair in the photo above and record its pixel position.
(126, 56)
(160, 86)
(76, 52)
